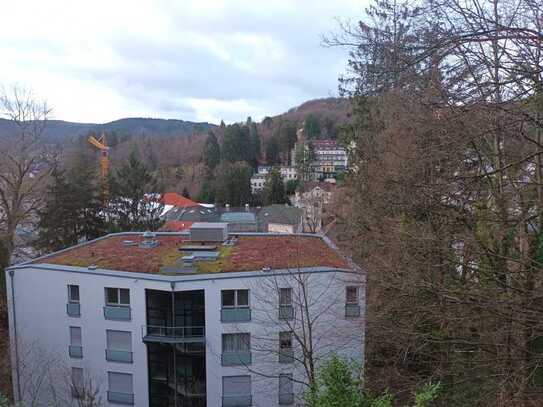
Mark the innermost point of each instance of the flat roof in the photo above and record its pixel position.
(249, 252)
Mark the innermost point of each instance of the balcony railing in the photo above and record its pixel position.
(235, 314)
(286, 399)
(118, 356)
(75, 352)
(73, 309)
(236, 358)
(117, 313)
(169, 334)
(120, 398)
(286, 355)
(286, 312)
(245, 400)
(352, 310)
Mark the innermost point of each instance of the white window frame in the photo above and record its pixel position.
(70, 299)
(236, 303)
(357, 290)
(118, 303)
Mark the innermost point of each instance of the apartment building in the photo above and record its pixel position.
(258, 180)
(200, 318)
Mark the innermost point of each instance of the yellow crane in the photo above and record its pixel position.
(101, 144)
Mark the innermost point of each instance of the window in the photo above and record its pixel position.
(73, 294)
(119, 340)
(285, 296)
(75, 336)
(77, 382)
(285, 341)
(352, 295)
(286, 391)
(236, 343)
(118, 297)
(120, 383)
(235, 298)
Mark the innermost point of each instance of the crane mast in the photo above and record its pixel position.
(101, 144)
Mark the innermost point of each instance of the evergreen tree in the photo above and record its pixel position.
(236, 145)
(211, 155)
(72, 211)
(286, 137)
(232, 184)
(255, 145)
(133, 205)
(272, 151)
(274, 191)
(267, 122)
(312, 127)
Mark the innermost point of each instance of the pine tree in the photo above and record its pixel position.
(312, 127)
(211, 155)
(274, 191)
(232, 184)
(272, 151)
(133, 205)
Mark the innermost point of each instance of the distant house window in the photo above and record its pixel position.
(285, 341)
(285, 296)
(236, 390)
(120, 388)
(235, 298)
(75, 336)
(352, 295)
(119, 297)
(119, 340)
(73, 294)
(286, 391)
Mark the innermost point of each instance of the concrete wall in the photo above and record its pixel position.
(42, 325)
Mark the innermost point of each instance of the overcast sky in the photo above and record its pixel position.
(204, 60)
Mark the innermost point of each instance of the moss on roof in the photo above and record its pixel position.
(250, 252)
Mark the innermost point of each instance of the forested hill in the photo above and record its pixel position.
(58, 130)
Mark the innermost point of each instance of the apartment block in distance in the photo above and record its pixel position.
(200, 318)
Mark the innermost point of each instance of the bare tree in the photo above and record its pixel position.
(25, 162)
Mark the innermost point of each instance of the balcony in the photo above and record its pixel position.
(237, 401)
(236, 358)
(352, 310)
(286, 355)
(167, 334)
(286, 399)
(117, 313)
(120, 356)
(235, 314)
(73, 309)
(75, 352)
(286, 312)
(120, 398)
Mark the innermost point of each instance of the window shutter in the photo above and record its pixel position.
(75, 336)
(120, 382)
(236, 385)
(119, 340)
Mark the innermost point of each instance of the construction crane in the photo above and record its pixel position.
(101, 144)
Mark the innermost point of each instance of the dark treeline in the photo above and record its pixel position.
(447, 198)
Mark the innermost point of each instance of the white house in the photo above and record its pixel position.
(258, 180)
(194, 319)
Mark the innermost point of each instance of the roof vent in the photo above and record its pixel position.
(266, 269)
(129, 243)
(148, 244)
(92, 267)
(209, 232)
(149, 235)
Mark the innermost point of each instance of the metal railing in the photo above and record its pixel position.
(182, 332)
(73, 309)
(120, 398)
(75, 352)
(236, 358)
(286, 312)
(117, 313)
(235, 314)
(242, 400)
(352, 310)
(118, 356)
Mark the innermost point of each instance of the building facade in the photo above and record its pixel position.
(125, 328)
(258, 180)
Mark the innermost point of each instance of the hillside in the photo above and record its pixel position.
(59, 130)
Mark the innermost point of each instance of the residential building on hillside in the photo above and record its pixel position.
(258, 180)
(238, 219)
(203, 318)
(312, 198)
(329, 158)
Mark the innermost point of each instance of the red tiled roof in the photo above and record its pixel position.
(249, 253)
(173, 198)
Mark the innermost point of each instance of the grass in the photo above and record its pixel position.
(215, 266)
